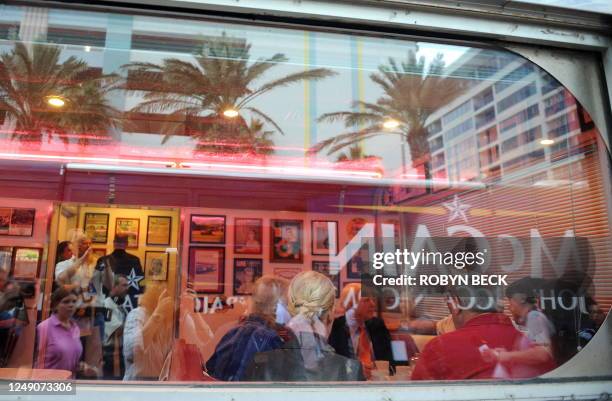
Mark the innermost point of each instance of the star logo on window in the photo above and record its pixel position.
(456, 209)
(134, 279)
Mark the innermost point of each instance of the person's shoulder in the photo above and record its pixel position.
(63, 265)
(135, 313)
(376, 322)
(339, 322)
(44, 324)
(109, 303)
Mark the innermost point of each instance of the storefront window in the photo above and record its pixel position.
(183, 193)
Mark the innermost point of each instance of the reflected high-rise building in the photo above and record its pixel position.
(514, 116)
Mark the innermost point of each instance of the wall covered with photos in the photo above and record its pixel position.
(23, 252)
(150, 232)
(250, 243)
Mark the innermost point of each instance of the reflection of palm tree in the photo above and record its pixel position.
(222, 78)
(412, 91)
(355, 152)
(28, 78)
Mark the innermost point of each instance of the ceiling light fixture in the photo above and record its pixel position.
(231, 113)
(546, 142)
(55, 101)
(391, 123)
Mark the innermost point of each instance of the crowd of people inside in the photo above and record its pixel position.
(293, 331)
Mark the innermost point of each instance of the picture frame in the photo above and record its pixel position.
(206, 272)
(246, 272)
(22, 222)
(159, 230)
(330, 270)
(324, 237)
(248, 236)
(358, 263)
(286, 241)
(95, 226)
(129, 227)
(353, 226)
(26, 263)
(206, 229)
(6, 258)
(156, 265)
(18, 222)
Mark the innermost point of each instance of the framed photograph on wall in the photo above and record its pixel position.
(159, 230)
(353, 226)
(5, 220)
(286, 241)
(26, 263)
(246, 272)
(156, 265)
(358, 263)
(17, 221)
(129, 227)
(329, 269)
(96, 227)
(206, 269)
(324, 237)
(248, 234)
(206, 229)
(6, 258)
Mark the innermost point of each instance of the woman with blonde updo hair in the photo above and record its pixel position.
(307, 357)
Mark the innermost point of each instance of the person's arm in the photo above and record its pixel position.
(536, 355)
(422, 326)
(132, 334)
(158, 319)
(64, 275)
(41, 340)
(107, 277)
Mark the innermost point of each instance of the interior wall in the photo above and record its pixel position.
(66, 223)
(24, 349)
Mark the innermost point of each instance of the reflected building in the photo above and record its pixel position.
(514, 116)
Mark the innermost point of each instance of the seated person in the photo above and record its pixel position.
(468, 352)
(522, 303)
(307, 356)
(359, 334)
(257, 332)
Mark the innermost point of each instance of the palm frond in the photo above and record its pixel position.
(266, 118)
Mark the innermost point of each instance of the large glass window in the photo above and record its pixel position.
(186, 193)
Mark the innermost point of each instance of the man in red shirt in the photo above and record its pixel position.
(475, 349)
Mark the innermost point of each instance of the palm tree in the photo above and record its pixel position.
(29, 77)
(355, 152)
(195, 95)
(412, 91)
